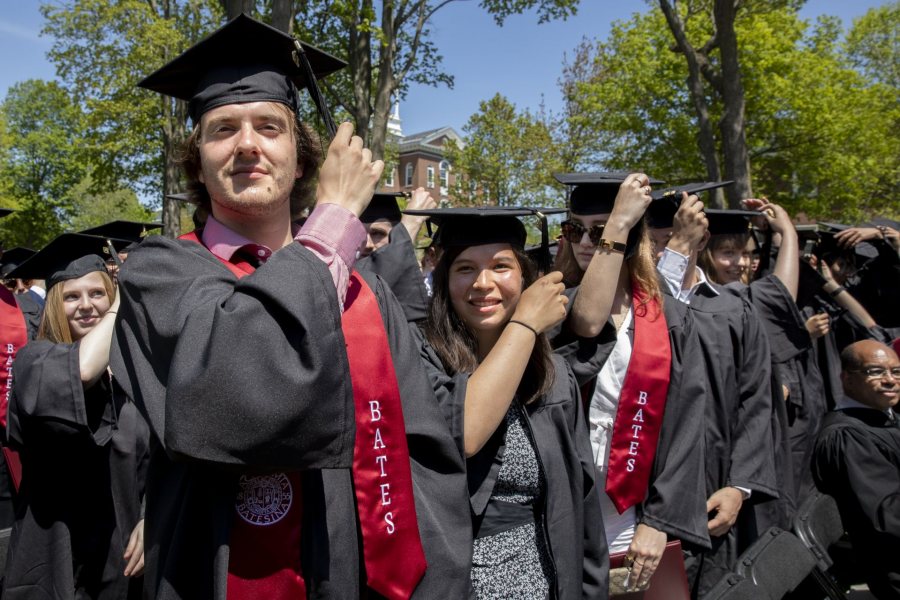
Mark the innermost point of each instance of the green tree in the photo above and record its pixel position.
(90, 208)
(873, 44)
(507, 159)
(44, 155)
(821, 136)
(101, 50)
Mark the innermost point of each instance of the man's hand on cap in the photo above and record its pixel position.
(348, 175)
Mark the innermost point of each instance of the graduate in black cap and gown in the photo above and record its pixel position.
(634, 350)
(734, 348)
(514, 410)
(298, 448)
(390, 248)
(82, 443)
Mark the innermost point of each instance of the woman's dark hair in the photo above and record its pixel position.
(455, 343)
(309, 158)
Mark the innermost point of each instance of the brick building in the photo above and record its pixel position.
(421, 161)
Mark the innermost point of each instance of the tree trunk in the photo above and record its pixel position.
(734, 140)
(283, 15)
(360, 59)
(706, 139)
(386, 84)
(174, 133)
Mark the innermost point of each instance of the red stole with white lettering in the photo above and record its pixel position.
(13, 335)
(392, 550)
(395, 561)
(642, 404)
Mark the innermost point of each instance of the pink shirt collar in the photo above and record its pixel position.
(224, 242)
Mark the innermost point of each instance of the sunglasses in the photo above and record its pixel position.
(573, 232)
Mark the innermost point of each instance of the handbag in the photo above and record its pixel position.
(669, 581)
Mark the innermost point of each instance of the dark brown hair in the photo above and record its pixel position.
(309, 158)
(455, 343)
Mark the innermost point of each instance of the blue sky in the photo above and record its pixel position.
(521, 60)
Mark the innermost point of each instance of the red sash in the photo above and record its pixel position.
(394, 559)
(641, 405)
(13, 335)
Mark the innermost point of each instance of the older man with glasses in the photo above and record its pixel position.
(857, 460)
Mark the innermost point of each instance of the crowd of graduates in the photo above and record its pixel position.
(288, 403)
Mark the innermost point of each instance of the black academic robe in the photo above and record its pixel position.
(676, 496)
(84, 456)
(856, 460)
(397, 265)
(736, 356)
(245, 375)
(794, 365)
(570, 514)
(32, 310)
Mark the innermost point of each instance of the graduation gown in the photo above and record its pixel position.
(397, 265)
(794, 365)
(84, 456)
(239, 376)
(878, 287)
(857, 461)
(676, 498)
(739, 446)
(570, 514)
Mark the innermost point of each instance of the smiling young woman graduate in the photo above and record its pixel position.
(633, 349)
(299, 451)
(82, 444)
(513, 408)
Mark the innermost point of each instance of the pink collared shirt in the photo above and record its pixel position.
(331, 232)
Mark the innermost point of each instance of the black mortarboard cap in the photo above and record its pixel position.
(133, 231)
(69, 256)
(14, 257)
(828, 247)
(5, 212)
(661, 212)
(383, 206)
(243, 61)
(729, 221)
(487, 225)
(594, 193)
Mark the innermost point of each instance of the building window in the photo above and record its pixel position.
(430, 176)
(407, 179)
(389, 180)
(445, 176)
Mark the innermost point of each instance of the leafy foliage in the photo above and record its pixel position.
(507, 159)
(822, 135)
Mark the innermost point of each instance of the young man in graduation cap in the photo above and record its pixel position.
(299, 449)
(390, 248)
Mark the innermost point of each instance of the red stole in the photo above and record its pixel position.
(13, 335)
(268, 559)
(642, 404)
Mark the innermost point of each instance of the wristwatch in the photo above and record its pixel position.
(605, 244)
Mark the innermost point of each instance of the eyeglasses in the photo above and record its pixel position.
(879, 372)
(573, 232)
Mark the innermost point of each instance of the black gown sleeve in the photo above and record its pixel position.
(49, 399)
(676, 496)
(752, 454)
(396, 264)
(32, 312)
(249, 372)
